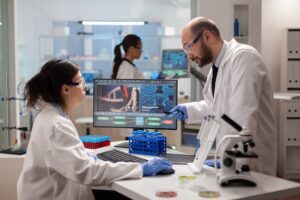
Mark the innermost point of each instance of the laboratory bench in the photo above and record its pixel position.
(268, 187)
(10, 169)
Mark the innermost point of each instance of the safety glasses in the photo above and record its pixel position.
(74, 83)
(188, 46)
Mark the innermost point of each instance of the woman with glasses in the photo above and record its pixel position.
(57, 166)
(123, 67)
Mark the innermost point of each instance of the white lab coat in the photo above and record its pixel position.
(58, 167)
(128, 71)
(243, 92)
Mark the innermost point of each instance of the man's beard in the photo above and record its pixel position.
(207, 55)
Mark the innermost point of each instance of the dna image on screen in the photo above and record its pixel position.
(134, 103)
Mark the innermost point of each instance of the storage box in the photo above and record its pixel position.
(148, 143)
(95, 141)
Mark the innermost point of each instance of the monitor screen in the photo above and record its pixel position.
(174, 63)
(140, 104)
(89, 76)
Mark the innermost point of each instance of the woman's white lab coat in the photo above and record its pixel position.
(58, 167)
(128, 71)
(243, 92)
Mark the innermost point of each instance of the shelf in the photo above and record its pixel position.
(192, 126)
(91, 58)
(294, 172)
(292, 145)
(241, 26)
(292, 176)
(241, 37)
(286, 96)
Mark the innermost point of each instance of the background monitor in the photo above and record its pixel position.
(174, 63)
(135, 104)
(89, 76)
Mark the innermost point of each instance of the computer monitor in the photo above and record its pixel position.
(89, 76)
(174, 63)
(139, 104)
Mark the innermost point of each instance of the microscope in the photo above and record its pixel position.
(235, 166)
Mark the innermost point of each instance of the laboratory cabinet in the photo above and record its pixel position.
(10, 170)
(289, 132)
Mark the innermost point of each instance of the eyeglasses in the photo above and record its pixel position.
(188, 46)
(139, 48)
(73, 83)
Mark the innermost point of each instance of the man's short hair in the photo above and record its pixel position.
(202, 24)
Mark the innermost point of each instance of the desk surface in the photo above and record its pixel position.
(267, 187)
(84, 120)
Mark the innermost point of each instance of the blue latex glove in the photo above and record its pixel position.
(155, 165)
(179, 112)
(211, 163)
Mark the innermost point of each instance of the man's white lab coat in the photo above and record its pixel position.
(243, 92)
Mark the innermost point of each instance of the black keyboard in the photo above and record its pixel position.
(119, 156)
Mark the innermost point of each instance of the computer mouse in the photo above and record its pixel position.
(166, 172)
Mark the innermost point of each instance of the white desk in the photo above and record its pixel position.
(10, 169)
(145, 188)
(267, 187)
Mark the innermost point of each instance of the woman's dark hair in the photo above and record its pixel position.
(46, 85)
(128, 41)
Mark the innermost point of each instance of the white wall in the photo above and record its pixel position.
(36, 17)
(276, 16)
(220, 11)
